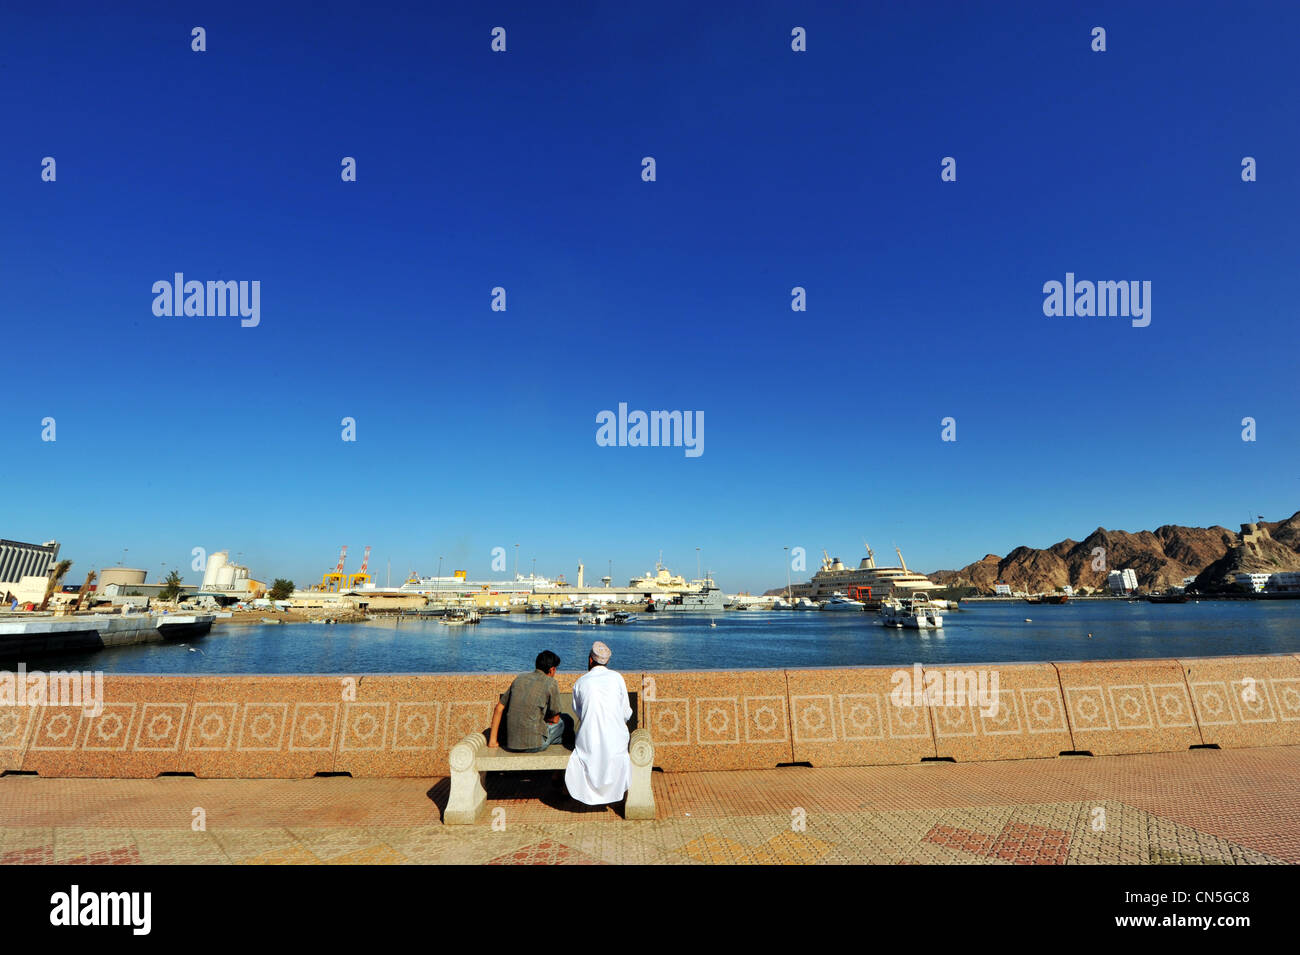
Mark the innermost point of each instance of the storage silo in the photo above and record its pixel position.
(215, 563)
(124, 577)
(226, 577)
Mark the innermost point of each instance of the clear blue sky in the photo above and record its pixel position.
(476, 429)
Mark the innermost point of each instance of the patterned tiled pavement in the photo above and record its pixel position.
(1198, 807)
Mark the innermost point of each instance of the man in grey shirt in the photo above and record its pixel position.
(532, 709)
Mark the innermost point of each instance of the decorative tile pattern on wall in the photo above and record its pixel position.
(848, 717)
(1246, 701)
(1128, 706)
(1004, 711)
(405, 725)
(718, 720)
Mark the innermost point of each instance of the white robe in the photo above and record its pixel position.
(599, 769)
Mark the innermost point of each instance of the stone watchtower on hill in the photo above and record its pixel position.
(1252, 536)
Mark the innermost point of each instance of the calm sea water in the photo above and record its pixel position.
(986, 633)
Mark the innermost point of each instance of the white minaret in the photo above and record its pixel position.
(579, 575)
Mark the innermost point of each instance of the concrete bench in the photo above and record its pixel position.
(472, 758)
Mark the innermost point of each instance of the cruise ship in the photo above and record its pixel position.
(883, 581)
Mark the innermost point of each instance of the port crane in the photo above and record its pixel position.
(362, 576)
(330, 582)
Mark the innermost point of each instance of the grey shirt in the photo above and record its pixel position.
(530, 699)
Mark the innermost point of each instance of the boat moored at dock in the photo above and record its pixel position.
(840, 603)
(913, 613)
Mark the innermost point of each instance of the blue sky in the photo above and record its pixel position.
(476, 429)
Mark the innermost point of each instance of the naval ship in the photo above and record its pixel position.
(668, 591)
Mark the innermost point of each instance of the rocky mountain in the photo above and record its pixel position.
(1258, 551)
(1160, 558)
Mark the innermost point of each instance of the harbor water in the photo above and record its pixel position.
(984, 633)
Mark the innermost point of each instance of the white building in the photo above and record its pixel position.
(1002, 590)
(1283, 582)
(1252, 582)
(1122, 581)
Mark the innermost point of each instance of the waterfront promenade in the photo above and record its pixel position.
(1195, 807)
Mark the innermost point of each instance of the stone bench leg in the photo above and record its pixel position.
(468, 799)
(640, 802)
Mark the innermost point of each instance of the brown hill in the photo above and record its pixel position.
(1160, 558)
(1257, 551)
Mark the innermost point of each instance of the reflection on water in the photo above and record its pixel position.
(987, 633)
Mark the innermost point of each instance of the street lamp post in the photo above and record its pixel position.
(787, 572)
(698, 571)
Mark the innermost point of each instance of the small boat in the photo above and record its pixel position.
(1168, 597)
(534, 608)
(271, 620)
(839, 602)
(805, 603)
(623, 616)
(458, 617)
(597, 616)
(913, 613)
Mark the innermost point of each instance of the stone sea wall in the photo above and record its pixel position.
(405, 725)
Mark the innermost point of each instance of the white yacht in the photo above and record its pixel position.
(840, 602)
(914, 613)
(882, 581)
(661, 579)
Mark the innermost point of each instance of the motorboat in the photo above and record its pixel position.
(839, 602)
(913, 613)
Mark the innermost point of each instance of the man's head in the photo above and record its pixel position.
(599, 655)
(547, 662)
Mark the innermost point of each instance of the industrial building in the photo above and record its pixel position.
(124, 577)
(25, 568)
(220, 576)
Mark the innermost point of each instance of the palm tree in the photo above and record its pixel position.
(56, 577)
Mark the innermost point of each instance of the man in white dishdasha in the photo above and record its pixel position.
(599, 769)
